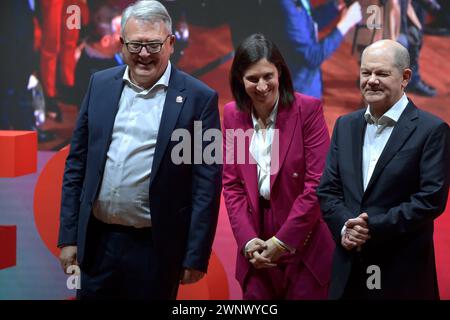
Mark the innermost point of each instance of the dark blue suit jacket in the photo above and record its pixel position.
(407, 191)
(184, 199)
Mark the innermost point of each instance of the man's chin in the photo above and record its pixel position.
(143, 73)
(372, 98)
(143, 69)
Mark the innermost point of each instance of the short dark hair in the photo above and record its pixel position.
(250, 51)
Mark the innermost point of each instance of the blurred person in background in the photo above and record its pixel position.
(57, 50)
(17, 61)
(295, 26)
(101, 48)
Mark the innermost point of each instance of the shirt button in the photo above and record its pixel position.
(295, 175)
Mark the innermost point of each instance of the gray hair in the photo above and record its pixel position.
(400, 54)
(146, 10)
(401, 58)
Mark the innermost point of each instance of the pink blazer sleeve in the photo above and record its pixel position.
(305, 210)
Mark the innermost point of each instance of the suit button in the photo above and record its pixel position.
(250, 210)
(243, 182)
(295, 175)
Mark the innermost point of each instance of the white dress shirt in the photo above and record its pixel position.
(123, 197)
(260, 149)
(378, 132)
(377, 135)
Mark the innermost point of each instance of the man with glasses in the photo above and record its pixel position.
(137, 223)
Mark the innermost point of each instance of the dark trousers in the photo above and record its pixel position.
(121, 263)
(357, 288)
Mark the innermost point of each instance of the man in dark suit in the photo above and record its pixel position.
(385, 182)
(137, 223)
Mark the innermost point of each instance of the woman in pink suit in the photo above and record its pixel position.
(274, 153)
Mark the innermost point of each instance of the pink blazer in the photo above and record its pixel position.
(303, 144)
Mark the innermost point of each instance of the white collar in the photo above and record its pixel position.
(162, 81)
(392, 115)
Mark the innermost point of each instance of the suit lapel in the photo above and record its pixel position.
(109, 106)
(358, 130)
(175, 99)
(285, 124)
(401, 132)
(249, 168)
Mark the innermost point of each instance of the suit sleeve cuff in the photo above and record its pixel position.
(284, 245)
(344, 228)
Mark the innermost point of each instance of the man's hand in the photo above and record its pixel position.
(360, 220)
(189, 276)
(68, 257)
(356, 232)
(346, 243)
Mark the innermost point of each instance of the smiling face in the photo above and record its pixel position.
(382, 84)
(261, 84)
(146, 68)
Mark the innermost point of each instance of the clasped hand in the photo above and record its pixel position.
(356, 232)
(263, 254)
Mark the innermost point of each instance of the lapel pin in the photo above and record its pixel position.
(179, 99)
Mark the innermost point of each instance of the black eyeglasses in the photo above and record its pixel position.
(151, 47)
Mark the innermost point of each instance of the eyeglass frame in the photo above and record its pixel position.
(145, 44)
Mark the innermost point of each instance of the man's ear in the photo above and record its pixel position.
(407, 74)
(172, 43)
